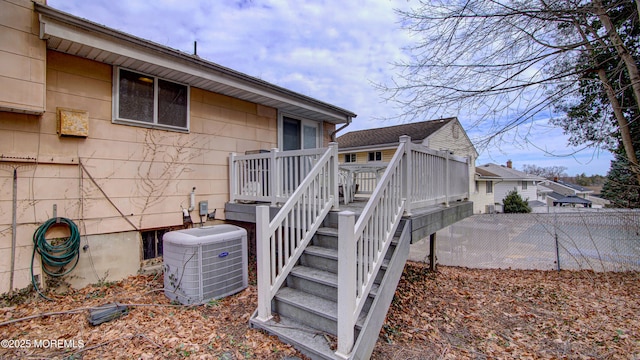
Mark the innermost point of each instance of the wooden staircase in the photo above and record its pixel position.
(305, 307)
(314, 288)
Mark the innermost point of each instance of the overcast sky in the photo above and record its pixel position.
(331, 50)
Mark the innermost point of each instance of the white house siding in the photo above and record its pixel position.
(480, 198)
(502, 188)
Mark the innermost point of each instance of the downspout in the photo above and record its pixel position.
(333, 133)
(192, 199)
(14, 226)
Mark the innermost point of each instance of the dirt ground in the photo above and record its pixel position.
(455, 313)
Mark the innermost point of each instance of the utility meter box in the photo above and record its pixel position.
(204, 207)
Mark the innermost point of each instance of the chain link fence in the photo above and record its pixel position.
(598, 241)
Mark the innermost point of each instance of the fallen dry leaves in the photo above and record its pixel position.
(452, 314)
(507, 314)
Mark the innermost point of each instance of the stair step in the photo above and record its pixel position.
(331, 231)
(307, 309)
(323, 313)
(321, 283)
(323, 277)
(314, 281)
(322, 252)
(326, 237)
(311, 342)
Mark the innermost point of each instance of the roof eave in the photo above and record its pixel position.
(81, 32)
(368, 147)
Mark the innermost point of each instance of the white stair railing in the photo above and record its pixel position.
(367, 242)
(415, 177)
(281, 241)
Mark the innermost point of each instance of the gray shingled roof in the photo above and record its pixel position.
(572, 199)
(566, 188)
(390, 134)
(491, 170)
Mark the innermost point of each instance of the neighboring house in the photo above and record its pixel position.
(115, 132)
(555, 193)
(496, 181)
(378, 145)
(566, 189)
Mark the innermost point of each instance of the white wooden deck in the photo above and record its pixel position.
(293, 194)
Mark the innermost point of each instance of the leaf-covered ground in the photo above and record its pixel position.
(512, 314)
(455, 313)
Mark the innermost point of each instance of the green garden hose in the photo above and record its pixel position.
(55, 255)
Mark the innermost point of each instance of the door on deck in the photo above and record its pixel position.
(298, 135)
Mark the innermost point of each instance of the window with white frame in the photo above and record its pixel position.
(149, 101)
(524, 185)
(350, 158)
(489, 187)
(375, 156)
(299, 133)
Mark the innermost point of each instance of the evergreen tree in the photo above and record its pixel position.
(514, 203)
(621, 186)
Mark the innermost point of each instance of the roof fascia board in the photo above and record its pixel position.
(387, 146)
(64, 26)
(369, 147)
(506, 179)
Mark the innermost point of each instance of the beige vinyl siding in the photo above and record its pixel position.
(362, 157)
(22, 55)
(444, 139)
(147, 174)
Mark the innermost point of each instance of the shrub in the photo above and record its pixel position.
(514, 203)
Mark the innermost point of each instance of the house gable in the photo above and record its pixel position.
(451, 137)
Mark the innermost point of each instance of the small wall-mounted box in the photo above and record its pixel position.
(72, 122)
(204, 207)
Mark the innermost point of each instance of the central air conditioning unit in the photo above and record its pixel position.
(202, 264)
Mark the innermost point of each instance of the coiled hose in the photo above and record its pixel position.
(55, 257)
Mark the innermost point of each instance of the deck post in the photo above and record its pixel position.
(232, 177)
(346, 283)
(447, 179)
(274, 176)
(432, 252)
(263, 255)
(407, 173)
(334, 173)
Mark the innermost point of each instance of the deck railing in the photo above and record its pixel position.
(363, 245)
(360, 178)
(437, 177)
(269, 176)
(415, 177)
(281, 241)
